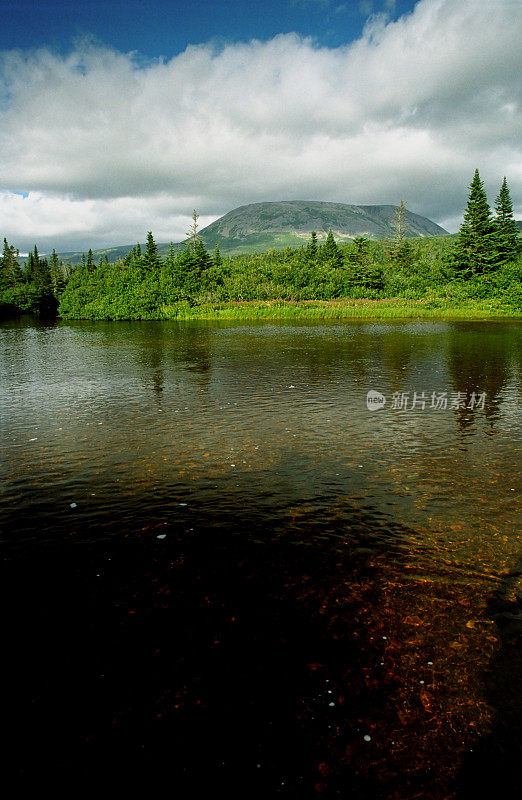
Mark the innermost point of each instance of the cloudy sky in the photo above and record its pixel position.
(121, 116)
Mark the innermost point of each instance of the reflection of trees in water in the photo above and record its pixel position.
(481, 359)
(331, 359)
(150, 355)
(518, 359)
(195, 354)
(478, 361)
(397, 350)
(160, 344)
(318, 356)
(190, 351)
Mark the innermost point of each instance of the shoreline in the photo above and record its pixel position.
(341, 309)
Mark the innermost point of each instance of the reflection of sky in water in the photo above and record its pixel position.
(269, 421)
(166, 407)
(250, 451)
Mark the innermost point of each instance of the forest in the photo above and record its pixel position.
(481, 267)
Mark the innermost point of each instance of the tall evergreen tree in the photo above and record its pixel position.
(29, 267)
(38, 272)
(475, 246)
(151, 260)
(202, 259)
(360, 255)
(57, 274)
(91, 266)
(507, 241)
(10, 272)
(192, 232)
(130, 258)
(402, 253)
(218, 260)
(174, 269)
(330, 251)
(171, 258)
(399, 223)
(312, 249)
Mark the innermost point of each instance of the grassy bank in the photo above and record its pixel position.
(340, 309)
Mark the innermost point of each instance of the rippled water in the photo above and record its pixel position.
(219, 566)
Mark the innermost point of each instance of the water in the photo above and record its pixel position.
(220, 567)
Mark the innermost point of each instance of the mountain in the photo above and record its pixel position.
(260, 226)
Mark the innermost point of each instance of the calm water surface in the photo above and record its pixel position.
(220, 568)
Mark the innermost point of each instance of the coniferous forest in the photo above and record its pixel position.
(479, 270)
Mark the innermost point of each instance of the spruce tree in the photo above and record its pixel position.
(402, 253)
(173, 270)
(202, 260)
(29, 268)
(399, 223)
(507, 241)
(331, 253)
(171, 258)
(218, 260)
(312, 249)
(57, 274)
(10, 272)
(360, 250)
(192, 232)
(151, 260)
(39, 272)
(91, 266)
(360, 254)
(403, 256)
(475, 247)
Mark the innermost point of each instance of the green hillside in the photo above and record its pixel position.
(259, 227)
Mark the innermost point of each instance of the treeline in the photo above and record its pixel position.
(36, 288)
(483, 261)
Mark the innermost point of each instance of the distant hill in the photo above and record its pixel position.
(260, 226)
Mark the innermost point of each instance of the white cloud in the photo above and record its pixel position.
(109, 148)
(47, 219)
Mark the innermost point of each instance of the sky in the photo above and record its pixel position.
(121, 117)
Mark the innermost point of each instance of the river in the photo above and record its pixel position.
(222, 568)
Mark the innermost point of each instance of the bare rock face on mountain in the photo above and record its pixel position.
(290, 222)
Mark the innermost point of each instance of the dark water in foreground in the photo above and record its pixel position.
(221, 570)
